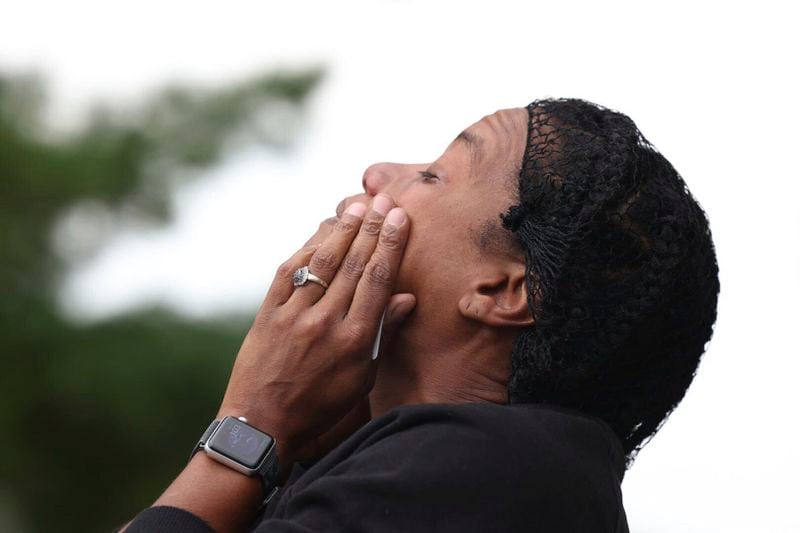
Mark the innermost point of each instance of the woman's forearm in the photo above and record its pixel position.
(225, 499)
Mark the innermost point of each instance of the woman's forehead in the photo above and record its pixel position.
(509, 121)
(503, 127)
(497, 140)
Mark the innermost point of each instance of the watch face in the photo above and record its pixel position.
(240, 442)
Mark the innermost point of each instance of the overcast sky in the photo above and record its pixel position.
(713, 87)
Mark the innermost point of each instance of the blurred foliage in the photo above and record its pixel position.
(98, 419)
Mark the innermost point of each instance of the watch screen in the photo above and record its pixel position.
(240, 442)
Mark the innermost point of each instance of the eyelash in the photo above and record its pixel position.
(425, 175)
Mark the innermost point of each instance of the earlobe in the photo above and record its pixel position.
(498, 299)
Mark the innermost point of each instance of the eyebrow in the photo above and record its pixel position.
(470, 138)
(473, 141)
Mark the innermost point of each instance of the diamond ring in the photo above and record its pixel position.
(302, 276)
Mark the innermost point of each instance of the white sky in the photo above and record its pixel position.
(712, 86)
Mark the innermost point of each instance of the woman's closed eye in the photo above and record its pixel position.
(427, 176)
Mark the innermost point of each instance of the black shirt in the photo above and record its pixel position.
(450, 468)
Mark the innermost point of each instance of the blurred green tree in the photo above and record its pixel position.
(93, 416)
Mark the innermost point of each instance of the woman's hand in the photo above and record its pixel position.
(305, 363)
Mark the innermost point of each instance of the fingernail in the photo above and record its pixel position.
(356, 209)
(382, 204)
(396, 217)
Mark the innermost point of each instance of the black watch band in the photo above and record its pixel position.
(267, 471)
(201, 444)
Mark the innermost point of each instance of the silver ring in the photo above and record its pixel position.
(302, 276)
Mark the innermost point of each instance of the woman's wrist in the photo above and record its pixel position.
(286, 441)
(225, 499)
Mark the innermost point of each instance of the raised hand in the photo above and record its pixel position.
(305, 363)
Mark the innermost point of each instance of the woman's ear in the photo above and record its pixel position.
(498, 297)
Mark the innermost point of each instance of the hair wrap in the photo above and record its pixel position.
(621, 271)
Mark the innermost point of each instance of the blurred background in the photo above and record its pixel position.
(158, 160)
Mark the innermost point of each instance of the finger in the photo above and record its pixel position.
(282, 286)
(400, 306)
(375, 286)
(326, 258)
(339, 295)
(398, 309)
(325, 228)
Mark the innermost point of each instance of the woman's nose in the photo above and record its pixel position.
(376, 178)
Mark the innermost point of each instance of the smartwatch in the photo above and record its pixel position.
(238, 445)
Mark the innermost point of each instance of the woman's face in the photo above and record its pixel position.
(449, 202)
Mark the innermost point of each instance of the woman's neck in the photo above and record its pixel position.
(476, 370)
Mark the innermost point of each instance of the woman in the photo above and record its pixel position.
(549, 284)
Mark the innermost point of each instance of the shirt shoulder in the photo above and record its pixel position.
(451, 467)
(500, 438)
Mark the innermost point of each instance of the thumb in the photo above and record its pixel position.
(397, 310)
(400, 306)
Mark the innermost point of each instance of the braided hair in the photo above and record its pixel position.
(621, 271)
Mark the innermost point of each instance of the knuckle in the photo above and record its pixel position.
(308, 329)
(352, 267)
(378, 273)
(344, 226)
(391, 238)
(328, 223)
(282, 321)
(355, 335)
(349, 344)
(314, 324)
(372, 225)
(325, 228)
(323, 317)
(262, 320)
(324, 260)
(286, 270)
